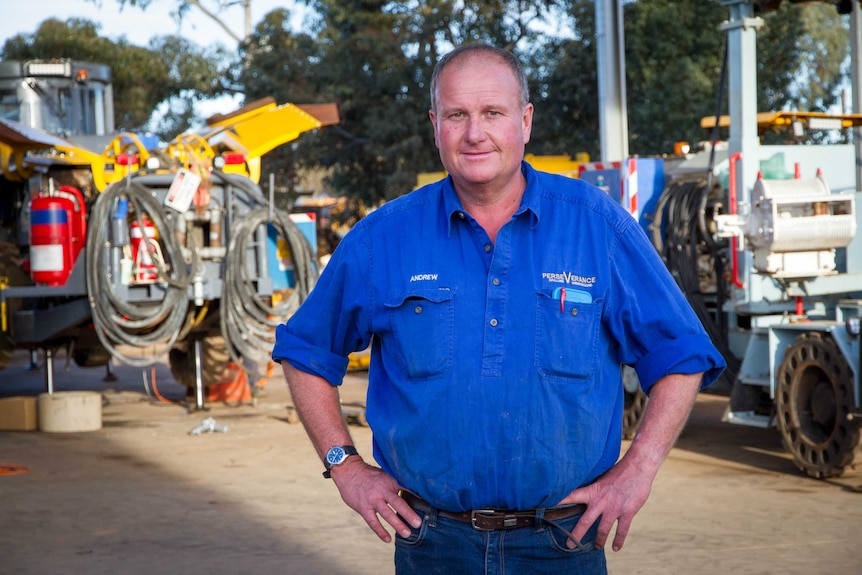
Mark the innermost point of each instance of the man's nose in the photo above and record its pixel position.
(475, 130)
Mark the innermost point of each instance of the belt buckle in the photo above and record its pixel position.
(498, 520)
(481, 513)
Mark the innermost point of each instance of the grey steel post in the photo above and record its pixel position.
(611, 54)
(199, 378)
(49, 370)
(741, 29)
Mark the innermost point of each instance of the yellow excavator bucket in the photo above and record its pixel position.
(250, 132)
(262, 126)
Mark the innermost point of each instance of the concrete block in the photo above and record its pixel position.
(70, 411)
(18, 414)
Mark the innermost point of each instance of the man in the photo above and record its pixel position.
(502, 302)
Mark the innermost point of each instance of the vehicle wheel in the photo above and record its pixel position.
(813, 398)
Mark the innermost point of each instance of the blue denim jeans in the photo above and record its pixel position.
(447, 546)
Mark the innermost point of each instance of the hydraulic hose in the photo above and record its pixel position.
(247, 318)
(148, 325)
(247, 315)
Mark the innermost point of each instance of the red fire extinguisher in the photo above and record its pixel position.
(144, 270)
(58, 229)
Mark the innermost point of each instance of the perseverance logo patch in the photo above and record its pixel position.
(569, 279)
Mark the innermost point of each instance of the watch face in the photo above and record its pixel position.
(335, 455)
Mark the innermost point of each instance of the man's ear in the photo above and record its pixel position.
(527, 122)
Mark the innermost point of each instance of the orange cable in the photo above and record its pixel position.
(156, 389)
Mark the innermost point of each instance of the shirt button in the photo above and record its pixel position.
(493, 323)
(574, 311)
(495, 281)
(487, 247)
(461, 215)
(418, 309)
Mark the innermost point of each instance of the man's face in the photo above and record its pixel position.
(480, 127)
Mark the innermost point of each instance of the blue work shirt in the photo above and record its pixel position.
(487, 387)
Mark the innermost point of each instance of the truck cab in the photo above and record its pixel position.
(64, 97)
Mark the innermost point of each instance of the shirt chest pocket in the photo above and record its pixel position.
(566, 337)
(422, 324)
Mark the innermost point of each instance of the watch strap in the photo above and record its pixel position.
(348, 451)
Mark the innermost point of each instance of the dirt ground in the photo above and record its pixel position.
(143, 496)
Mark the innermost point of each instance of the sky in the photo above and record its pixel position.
(138, 26)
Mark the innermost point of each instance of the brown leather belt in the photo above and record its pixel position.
(496, 519)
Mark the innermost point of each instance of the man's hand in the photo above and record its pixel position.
(616, 496)
(374, 495)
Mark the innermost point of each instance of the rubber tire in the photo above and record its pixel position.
(813, 397)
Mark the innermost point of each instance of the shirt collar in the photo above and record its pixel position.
(530, 202)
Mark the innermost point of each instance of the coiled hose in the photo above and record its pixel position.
(247, 319)
(151, 325)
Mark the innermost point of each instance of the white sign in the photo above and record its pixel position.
(182, 190)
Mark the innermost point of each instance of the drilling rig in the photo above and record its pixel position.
(113, 246)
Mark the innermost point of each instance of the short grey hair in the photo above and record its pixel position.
(468, 50)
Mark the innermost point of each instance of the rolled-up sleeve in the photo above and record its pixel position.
(656, 328)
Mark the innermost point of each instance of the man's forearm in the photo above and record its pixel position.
(670, 403)
(319, 407)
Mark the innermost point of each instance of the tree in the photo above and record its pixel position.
(673, 77)
(172, 68)
(802, 57)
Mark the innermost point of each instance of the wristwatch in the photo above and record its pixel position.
(336, 456)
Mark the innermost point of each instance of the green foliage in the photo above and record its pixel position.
(673, 59)
(674, 51)
(384, 128)
(806, 47)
